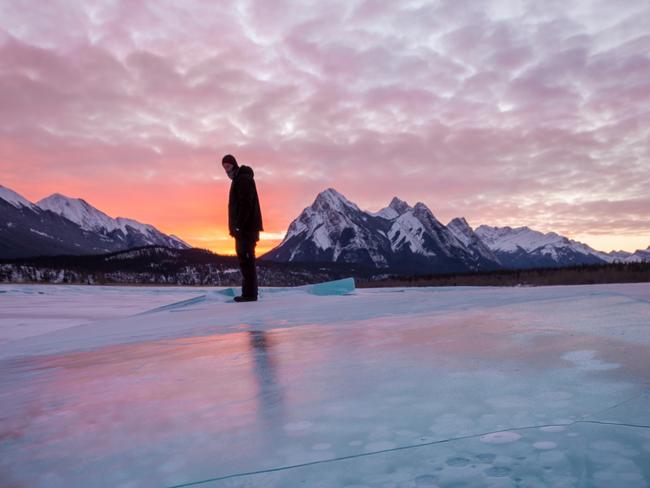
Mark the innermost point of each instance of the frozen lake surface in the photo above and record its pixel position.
(325, 387)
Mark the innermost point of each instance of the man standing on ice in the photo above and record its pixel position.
(244, 223)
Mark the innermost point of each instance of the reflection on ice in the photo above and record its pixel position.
(473, 396)
(270, 402)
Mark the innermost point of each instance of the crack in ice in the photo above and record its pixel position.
(412, 446)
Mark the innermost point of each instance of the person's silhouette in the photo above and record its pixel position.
(244, 223)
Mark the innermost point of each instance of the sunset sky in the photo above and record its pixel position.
(511, 112)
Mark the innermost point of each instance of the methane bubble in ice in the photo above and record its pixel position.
(543, 445)
(498, 471)
(500, 437)
(457, 461)
(427, 480)
(487, 457)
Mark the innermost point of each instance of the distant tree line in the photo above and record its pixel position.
(158, 265)
(572, 275)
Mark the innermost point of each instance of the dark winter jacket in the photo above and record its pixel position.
(244, 214)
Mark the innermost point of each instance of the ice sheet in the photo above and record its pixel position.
(391, 387)
(27, 311)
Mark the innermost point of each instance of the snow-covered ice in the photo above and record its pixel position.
(325, 387)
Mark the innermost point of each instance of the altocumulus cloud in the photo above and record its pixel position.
(506, 112)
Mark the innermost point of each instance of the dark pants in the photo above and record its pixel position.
(246, 254)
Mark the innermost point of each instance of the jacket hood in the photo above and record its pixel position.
(245, 171)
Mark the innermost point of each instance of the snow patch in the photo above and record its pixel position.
(408, 230)
(41, 233)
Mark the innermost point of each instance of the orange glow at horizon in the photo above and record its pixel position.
(225, 246)
(197, 213)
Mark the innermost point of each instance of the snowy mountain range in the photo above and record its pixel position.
(398, 237)
(63, 225)
(410, 239)
(522, 247)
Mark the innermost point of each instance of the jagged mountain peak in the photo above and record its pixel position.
(459, 222)
(334, 200)
(462, 230)
(420, 210)
(332, 229)
(399, 205)
(395, 208)
(331, 194)
(466, 235)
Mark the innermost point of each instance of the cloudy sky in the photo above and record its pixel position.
(510, 112)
